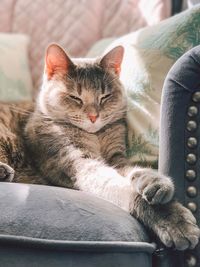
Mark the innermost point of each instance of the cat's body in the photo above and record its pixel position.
(75, 137)
(16, 145)
(13, 118)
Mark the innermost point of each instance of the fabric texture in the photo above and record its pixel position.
(63, 226)
(149, 54)
(76, 25)
(15, 77)
(48, 212)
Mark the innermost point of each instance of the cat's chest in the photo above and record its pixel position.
(92, 143)
(87, 142)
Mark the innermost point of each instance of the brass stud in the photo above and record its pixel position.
(191, 158)
(191, 126)
(191, 261)
(190, 175)
(192, 111)
(192, 206)
(196, 97)
(192, 142)
(191, 191)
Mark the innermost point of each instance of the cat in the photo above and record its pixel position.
(74, 136)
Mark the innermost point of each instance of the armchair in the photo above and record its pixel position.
(180, 136)
(49, 226)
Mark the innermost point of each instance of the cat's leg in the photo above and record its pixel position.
(6, 173)
(147, 196)
(154, 187)
(172, 222)
(105, 182)
(153, 204)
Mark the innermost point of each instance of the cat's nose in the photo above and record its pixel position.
(92, 117)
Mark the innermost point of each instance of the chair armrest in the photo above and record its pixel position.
(180, 133)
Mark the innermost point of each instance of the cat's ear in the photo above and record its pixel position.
(113, 59)
(56, 61)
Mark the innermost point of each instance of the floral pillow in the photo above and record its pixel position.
(15, 78)
(149, 54)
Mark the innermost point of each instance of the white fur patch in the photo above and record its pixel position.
(49, 89)
(90, 127)
(105, 182)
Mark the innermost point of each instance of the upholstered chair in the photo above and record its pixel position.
(180, 137)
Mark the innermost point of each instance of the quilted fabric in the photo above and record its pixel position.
(6, 8)
(77, 24)
(67, 26)
(126, 16)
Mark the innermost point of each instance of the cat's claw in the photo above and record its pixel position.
(154, 187)
(6, 173)
(179, 229)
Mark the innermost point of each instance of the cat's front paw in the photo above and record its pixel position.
(6, 173)
(154, 187)
(178, 229)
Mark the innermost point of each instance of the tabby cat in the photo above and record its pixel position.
(75, 137)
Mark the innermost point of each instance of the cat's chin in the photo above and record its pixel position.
(91, 128)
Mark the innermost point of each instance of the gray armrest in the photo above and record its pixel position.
(180, 134)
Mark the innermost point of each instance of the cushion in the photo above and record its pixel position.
(63, 225)
(149, 54)
(15, 78)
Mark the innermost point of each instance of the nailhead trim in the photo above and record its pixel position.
(191, 175)
(191, 261)
(192, 206)
(191, 126)
(192, 111)
(191, 160)
(192, 142)
(196, 97)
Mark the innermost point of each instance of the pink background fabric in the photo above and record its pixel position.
(6, 9)
(75, 24)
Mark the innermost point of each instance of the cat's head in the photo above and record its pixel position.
(85, 93)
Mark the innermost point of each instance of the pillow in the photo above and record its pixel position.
(15, 78)
(149, 54)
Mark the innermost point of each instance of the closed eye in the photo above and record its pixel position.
(105, 98)
(76, 99)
